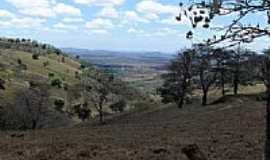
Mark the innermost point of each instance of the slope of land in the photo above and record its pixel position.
(23, 62)
(233, 130)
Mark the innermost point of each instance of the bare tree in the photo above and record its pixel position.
(178, 81)
(238, 31)
(206, 71)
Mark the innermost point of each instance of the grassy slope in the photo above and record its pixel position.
(16, 78)
(233, 130)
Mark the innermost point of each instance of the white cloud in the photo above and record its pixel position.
(26, 22)
(98, 31)
(72, 20)
(43, 8)
(65, 26)
(100, 2)
(152, 16)
(99, 23)
(33, 7)
(62, 8)
(135, 31)
(131, 16)
(153, 7)
(6, 14)
(108, 12)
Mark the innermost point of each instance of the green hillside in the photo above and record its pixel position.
(24, 62)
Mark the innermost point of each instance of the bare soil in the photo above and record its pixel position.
(233, 130)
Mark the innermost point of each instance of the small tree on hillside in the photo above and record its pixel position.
(179, 79)
(96, 89)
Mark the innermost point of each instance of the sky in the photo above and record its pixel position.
(119, 25)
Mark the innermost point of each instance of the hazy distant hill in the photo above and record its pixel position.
(121, 58)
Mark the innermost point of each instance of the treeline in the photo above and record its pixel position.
(206, 68)
(28, 45)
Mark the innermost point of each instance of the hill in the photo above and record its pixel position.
(26, 62)
(232, 130)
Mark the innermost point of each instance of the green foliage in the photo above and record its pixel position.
(57, 82)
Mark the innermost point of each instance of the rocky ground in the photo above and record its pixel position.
(233, 130)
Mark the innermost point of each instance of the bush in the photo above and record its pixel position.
(45, 64)
(119, 106)
(19, 61)
(56, 83)
(59, 104)
(35, 56)
(50, 75)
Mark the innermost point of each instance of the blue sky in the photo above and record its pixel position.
(128, 25)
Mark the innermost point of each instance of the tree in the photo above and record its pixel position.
(238, 31)
(222, 58)
(56, 82)
(178, 81)
(29, 111)
(206, 71)
(96, 89)
(266, 78)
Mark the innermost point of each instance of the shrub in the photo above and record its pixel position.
(56, 83)
(119, 106)
(50, 75)
(59, 104)
(35, 56)
(45, 64)
(19, 61)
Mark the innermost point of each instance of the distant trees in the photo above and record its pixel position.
(206, 68)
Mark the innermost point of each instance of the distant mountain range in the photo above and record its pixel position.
(105, 57)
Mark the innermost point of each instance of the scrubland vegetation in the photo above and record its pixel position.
(210, 105)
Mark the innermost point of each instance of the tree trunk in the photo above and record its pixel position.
(223, 83)
(204, 98)
(101, 116)
(235, 85)
(181, 103)
(267, 141)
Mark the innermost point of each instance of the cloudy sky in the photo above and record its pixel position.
(130, 25)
